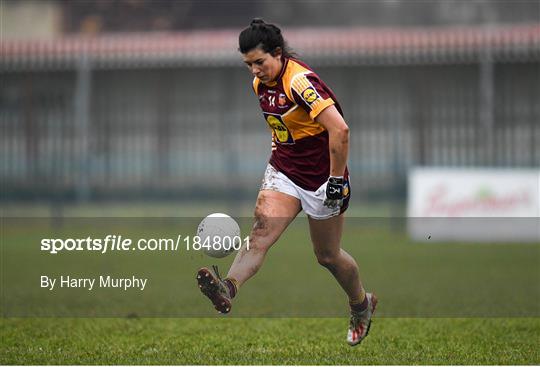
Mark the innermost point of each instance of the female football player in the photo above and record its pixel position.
(307, 171)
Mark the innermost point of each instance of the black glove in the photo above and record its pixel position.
(334, 192)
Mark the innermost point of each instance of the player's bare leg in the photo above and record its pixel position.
(274, 211)
(326, 238)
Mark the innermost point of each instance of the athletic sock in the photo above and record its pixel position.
(360, 304)
(232, 285)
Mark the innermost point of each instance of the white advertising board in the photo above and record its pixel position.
(500, 205)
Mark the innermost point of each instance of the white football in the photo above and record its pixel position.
(219, 235)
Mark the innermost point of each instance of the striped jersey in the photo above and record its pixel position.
(290, 105)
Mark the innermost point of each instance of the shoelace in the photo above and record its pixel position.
(354, 322)
(221, 284)
(216, 271)
(356, 318)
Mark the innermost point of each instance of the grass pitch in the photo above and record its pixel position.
(268, 341)
(440, 303)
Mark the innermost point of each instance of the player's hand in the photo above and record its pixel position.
(334, 192)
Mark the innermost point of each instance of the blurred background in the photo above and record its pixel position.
(146, 104)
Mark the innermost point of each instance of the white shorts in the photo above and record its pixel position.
(311, 201)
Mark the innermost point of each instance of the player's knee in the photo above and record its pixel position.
(327, 259)
(261, 224)
(259, 232)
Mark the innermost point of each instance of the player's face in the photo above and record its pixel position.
(262, 64)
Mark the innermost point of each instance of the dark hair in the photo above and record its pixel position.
(264, 35)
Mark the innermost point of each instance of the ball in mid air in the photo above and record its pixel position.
(219, 235)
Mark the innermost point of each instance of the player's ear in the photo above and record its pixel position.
(277, 52)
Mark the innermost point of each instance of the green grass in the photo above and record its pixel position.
(178, 208)
(440, 303)
(412, 279)
(268, 341)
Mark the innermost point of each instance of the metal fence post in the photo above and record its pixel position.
(82, 128)
(486, 86)
(487, 94)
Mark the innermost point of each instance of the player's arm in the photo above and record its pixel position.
(338, 142)
(308, 91)
(338, 136)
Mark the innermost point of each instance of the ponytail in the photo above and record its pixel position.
(264, 35)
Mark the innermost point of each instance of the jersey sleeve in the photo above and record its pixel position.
(310, 93)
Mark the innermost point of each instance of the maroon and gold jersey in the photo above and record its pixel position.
(290, 105)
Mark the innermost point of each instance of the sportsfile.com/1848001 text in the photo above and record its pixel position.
(121, 243)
